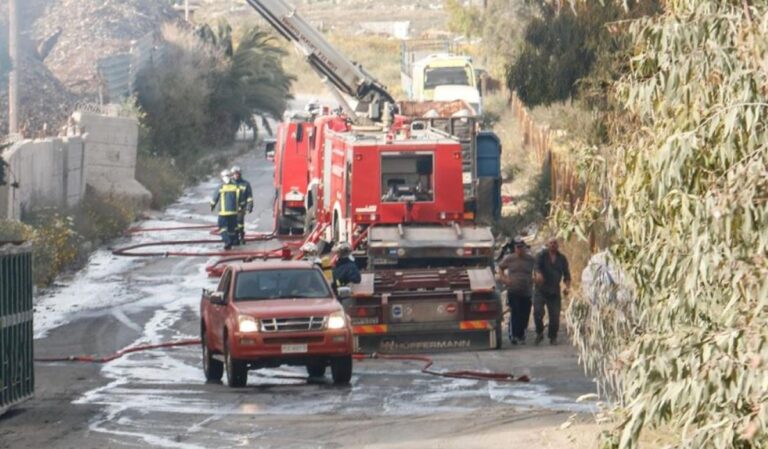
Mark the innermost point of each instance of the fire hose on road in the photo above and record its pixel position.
(233, 256)
(426, 369)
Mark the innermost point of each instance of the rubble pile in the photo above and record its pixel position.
(45, 103)
(75, 34)
(61, 43)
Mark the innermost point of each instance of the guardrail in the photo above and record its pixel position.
(17, 379)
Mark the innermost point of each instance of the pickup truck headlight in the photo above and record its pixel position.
(247, 324)
(337, 320)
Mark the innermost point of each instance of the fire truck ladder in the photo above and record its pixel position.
(341, 75)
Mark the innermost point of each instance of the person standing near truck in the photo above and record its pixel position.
(516, 272)
(345, 270)
(551, 269)
(246, 202)
(227, 197)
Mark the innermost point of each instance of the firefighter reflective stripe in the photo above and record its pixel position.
(228, 199)
(245, 191)
(370, 329)
(475, 325)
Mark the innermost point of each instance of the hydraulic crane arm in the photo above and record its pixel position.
(334, 68)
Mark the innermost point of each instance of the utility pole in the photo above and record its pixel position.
(186, 10)
(13, 74)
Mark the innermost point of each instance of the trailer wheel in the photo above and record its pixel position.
(341, 369)
(237, 370)
(316, 369)
(498, 333)
(213, 369)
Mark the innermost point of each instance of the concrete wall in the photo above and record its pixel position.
(49, 173)
(55, 171)
(110, 157)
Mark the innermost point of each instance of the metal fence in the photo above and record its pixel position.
(17, 379)
(119, 71)
(565, 185)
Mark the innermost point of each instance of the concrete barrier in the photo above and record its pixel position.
(54, 172)
(49, 173)
(110, 157)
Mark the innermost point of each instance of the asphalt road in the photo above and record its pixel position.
(160, 399)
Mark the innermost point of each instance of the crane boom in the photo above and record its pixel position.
(336, 70)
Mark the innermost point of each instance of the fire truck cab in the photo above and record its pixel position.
(291, 174)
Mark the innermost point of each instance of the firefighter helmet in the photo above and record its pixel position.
(309, 249)
(344, 249)
(235, 169)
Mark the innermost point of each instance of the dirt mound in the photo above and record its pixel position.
(45, 103)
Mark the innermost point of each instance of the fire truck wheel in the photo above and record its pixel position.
(213, 369)
(237, 370)
(316, 369)
(341, 369)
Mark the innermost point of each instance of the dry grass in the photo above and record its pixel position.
(379, 55)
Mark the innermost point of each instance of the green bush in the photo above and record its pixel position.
(101, 217)
(161, 177)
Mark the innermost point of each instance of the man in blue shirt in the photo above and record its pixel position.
(345, 270)
(227, 197)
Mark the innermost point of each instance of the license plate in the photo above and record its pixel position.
(293, 349)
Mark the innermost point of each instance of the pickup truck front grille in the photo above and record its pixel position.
(312, 323)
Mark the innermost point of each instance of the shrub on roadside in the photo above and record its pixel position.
(161, 177)
(100, 217)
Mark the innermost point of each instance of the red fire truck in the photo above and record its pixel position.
(404, 195)
(292, 174)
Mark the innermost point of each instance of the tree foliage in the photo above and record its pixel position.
(562, 46)
(206, 85)
(684, 196)
(465, 20)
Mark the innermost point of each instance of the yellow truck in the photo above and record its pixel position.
(430, 72)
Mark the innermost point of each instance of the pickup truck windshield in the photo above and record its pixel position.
(280, 284)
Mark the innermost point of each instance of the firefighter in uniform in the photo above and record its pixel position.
(227, 196)
(246, 201)
(345, 270)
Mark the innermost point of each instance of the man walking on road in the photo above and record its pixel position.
(516, 272)
(246, 202)
(227, 196)
(550, 270)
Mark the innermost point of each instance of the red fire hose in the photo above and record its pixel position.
(426, 369)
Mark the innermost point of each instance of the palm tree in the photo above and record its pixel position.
(255, 83)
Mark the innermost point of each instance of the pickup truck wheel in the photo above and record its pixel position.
(316, 369)
(237, 371)
(212, 368)
(341, 369)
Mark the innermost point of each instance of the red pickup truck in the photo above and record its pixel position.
(267, 314)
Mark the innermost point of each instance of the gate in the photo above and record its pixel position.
(17, 380)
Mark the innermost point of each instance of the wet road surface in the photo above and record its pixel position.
(160, 399)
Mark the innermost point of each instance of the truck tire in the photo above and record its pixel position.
(341, 369)
(213, 369)
(497, 329)
(316, 369)
(237, 370)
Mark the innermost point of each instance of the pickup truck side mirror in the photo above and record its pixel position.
(344, 292)
(217, 298)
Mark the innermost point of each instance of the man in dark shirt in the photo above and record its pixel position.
(516, 272)
(345, 270)
(551, 269)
